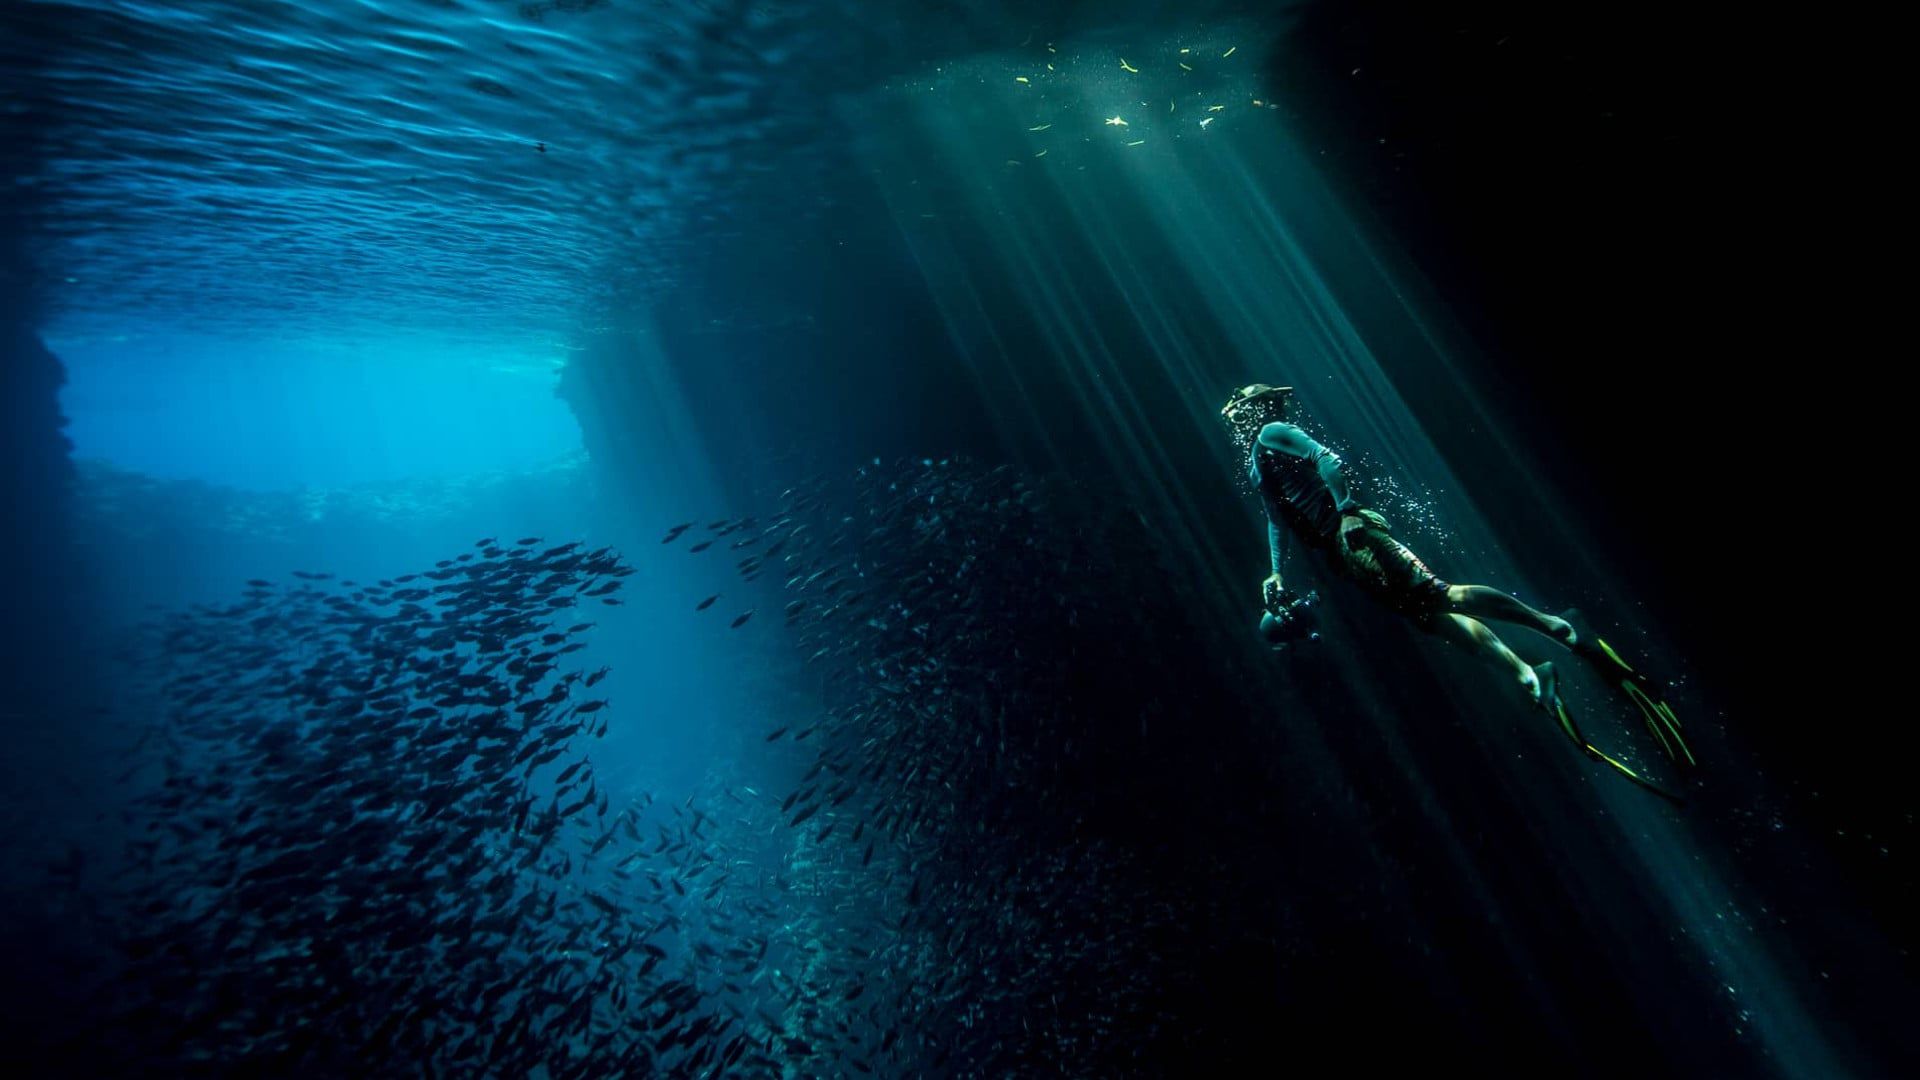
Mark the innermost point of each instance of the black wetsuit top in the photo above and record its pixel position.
(1302, 483)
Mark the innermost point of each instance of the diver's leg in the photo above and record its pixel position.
(1394, 573)
(1482, 602)
(1541, 681)
(1474, 636)
(1486, 603)
(1376, 558)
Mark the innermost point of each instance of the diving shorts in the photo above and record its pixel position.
(1391, 573)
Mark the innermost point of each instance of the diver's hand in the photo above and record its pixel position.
(1348, 523)
(1354, 519)
(1273, 595)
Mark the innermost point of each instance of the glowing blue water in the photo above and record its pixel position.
(347, 241)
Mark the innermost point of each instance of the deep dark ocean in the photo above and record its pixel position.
(592, 538)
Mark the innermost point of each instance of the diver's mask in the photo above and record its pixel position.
(1254, 406)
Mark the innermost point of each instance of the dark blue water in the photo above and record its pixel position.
(952, 750)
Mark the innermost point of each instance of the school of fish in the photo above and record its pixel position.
(372, 840)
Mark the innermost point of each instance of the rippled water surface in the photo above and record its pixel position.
(494, 168)
(457, 160)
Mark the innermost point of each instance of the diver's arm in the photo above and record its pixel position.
(1333, 473)
(1273, 521)
(1272, 589)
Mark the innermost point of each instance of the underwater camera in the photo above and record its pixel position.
(1293, 619)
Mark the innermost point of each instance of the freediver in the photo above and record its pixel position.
(1307, 493)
